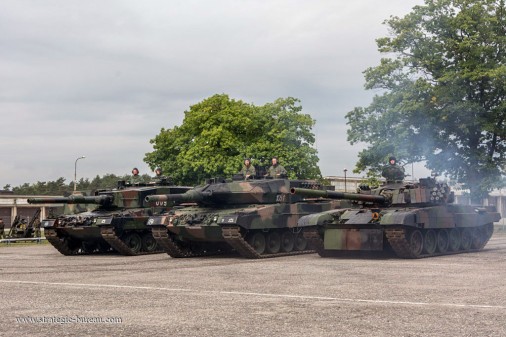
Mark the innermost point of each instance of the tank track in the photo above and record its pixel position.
(109, 235)
(397, 238)
(314, 238)
(171, 246)
(56, 242)
(233, 237)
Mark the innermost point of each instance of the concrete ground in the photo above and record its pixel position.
(43, 293)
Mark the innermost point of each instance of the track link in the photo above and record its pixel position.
(109, 235)
(397, 238)
(171, 246)
(232, 235)
(61, 246)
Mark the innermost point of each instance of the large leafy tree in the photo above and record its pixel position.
(442, 93)
(218, 133)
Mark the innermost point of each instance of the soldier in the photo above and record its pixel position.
(2, 228)
(36, 228)
(158, 173)
(136, 178)
(248, 170)
(393, 172)
(276, 170)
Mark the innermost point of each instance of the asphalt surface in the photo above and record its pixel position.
(43, 293)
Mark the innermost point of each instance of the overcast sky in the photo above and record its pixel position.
(101, 78)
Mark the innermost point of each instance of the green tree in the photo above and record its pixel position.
(442, 93)
(218, 133)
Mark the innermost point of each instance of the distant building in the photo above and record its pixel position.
(12, 205)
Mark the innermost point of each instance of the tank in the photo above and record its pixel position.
(256, 218)
(414, 220)
(112, 220)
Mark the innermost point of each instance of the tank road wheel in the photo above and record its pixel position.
(148, 243)
(72, 245)
(415, 240)
(89, 247)
(134, 242)
(443, 240)
(430, 242)
(466, 239)
(287, 241)
(257, 242)
(477, 238)
(454, 240)
(273, 243)
(300, 242)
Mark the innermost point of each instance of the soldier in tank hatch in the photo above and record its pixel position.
(393, 172)
(248, 170)
(135, 178)
(276, 170)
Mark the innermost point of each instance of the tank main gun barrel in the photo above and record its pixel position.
(189, 196)
(338, 195)
(74, 199)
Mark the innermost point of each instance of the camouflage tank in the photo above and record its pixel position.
(256, 218)
(413, 219)
(117, 222)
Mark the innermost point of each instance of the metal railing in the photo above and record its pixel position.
(9, 241)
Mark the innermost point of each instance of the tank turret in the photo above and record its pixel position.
(236, 193)
(425, 192)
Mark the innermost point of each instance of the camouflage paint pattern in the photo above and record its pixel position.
(124, 208)
(406, 208)
(255, 206)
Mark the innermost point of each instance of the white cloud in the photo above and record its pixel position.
(101, 79)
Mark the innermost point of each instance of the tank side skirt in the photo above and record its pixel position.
(109, 235)
(232, 235)
(53, 238)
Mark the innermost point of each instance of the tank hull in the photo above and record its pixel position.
(119, 226)
(223, 229)
(409, 232)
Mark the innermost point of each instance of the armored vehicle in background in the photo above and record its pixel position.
(21, 229)
(414, 219)
(116, 223)
(256, 218)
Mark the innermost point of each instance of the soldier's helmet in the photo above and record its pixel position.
(392, 158)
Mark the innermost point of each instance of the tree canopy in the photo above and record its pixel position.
(218, 133)
(59, 187)
(442, 86)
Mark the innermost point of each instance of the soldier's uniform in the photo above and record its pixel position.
(276, 171)
(2, 229)
(248, 171)
(393, 172)
(136, 178)
(36, 227)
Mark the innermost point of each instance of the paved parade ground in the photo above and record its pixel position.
(43, 293)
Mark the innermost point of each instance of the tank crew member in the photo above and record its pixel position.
(158, 173)
(276, 170)
(135, 178)
(248, 170)
(2, 229)
(393, 172)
